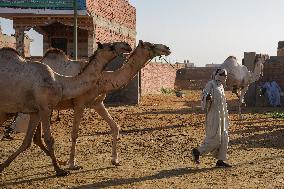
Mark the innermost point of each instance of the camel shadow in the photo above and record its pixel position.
(149, 129)
(272, 138)
(181, 111)
(160, 175)
(164, 174)
(24, 179)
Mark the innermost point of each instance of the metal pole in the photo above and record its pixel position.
(75, 30)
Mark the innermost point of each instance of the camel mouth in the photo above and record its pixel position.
(166, 52)
(125, 50)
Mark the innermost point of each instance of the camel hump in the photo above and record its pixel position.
(9, 50)
(8, 55)
(232, 57)
(54, 51)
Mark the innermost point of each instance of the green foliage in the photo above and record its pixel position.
(167, 91)
(276, 114)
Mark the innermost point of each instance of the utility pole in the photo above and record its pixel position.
(75, 30)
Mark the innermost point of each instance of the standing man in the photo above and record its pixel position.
(216, 121)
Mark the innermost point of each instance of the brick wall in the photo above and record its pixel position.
(193, 78)
(274, 70)
(104, 35)
(115, 20)
(155, 76)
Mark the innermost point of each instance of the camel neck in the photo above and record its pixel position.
(86, 80)
(112, 80)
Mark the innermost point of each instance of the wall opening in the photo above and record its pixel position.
(36, 46)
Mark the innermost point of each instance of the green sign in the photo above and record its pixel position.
(44, 4)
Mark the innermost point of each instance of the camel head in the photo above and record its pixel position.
(154, 49)
(116, 47)
(109, 51)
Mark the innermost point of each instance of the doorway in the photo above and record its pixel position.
(59, 43)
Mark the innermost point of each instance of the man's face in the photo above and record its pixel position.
(221, 76)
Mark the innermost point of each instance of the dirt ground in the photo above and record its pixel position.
(154, 150)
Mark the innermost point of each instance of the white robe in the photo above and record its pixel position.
(216, 123)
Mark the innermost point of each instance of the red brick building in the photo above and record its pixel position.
(98, 20)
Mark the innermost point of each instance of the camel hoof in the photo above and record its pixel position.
(115, 163)
(75, 167)
(62, 173)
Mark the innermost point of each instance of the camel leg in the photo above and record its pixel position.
(241, 101)
(240, 109)
(38, 140)
(49, 141)
(78, 114)
(34, 120)
(115, 128)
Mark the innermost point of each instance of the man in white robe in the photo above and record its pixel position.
(217, 121)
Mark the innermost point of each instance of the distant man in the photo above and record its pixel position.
(217, 121)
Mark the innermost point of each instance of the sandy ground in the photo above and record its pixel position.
(155, 145)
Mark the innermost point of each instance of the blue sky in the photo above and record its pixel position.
(204, 31)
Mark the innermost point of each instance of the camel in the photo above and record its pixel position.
(34, 88)
(240, 77)
(109, 81)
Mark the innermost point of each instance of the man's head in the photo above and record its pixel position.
(221, 75)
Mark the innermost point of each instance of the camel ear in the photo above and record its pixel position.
(100, 46)
(141, 42)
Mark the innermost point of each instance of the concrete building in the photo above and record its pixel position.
(10, 41)
(280, 48)
(212, 65)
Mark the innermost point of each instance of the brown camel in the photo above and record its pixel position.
(34, 88)
(110, 80)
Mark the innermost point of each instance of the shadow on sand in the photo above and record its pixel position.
(255, 137)
(164, 174)
(130, 131)
(161, 175)
(24, 179)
